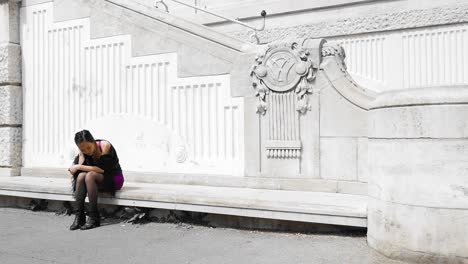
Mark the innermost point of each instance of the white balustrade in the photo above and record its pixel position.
(435, 56)
(157, 121)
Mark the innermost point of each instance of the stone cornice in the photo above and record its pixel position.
(382, 22)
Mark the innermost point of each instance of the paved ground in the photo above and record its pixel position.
(43, 237)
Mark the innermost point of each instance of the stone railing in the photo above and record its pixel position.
(409, 59)
(159, 114)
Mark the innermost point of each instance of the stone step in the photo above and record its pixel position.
(314, 207)
(291, 184)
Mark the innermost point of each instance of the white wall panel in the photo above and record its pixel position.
(435, 56)
(157, 121)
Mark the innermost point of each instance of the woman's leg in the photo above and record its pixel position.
(80, 195)
(91, 181)
(80, 190)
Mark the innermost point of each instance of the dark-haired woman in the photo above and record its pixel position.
(95, 169)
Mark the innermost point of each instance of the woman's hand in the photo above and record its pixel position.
(73, 169)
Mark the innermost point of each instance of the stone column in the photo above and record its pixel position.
(418, 186)
(11, 113)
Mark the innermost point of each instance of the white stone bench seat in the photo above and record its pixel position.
(316, 207)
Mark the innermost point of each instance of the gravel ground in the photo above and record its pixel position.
(43, 237)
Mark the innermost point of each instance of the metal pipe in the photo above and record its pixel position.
(263, 14)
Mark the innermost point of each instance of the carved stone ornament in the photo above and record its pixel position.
(281, 69)
(181, 154)
(335, 50)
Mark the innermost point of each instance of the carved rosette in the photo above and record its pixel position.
(283, 69)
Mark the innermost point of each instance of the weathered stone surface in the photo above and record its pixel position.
(252, 144)
(10, 63)
(74, 9)
(9, 172)
(9, 21)
(310, 129)
(456, 94)
(335, 72)
(424, 172)
(352, 187)
(10, 146)
(362, 159)
(10, 96)
(437, 121)
(297, 184)
(4, 21)
(421, 113)
(417, 175)
(11, 109)
(340, 118)
(32, 2)
(366, 24)
(338, 158)
(421, 234)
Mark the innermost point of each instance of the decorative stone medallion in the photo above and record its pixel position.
(283, 68)
(279, 70)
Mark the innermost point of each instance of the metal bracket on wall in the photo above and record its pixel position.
(164, 4)
(253, 36)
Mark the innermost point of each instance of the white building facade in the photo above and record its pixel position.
(361, 104)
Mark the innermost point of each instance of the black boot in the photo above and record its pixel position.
(80, 219)
(94, 220)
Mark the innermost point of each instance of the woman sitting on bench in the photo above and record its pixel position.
(95, 169)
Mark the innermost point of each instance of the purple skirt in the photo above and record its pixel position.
(118, 181)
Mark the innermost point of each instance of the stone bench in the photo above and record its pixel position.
(303, 206)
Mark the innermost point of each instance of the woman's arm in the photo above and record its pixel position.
(73, 169)
(80, 167)
(89, 168)
(81, 158)
(105, 145)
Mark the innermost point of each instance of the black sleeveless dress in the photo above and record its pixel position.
(109, 163)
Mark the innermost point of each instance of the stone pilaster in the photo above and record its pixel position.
(11, 114)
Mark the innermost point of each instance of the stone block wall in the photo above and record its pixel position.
(418, 207)
(11, 116)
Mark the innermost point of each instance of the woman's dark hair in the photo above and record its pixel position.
(83, 136)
